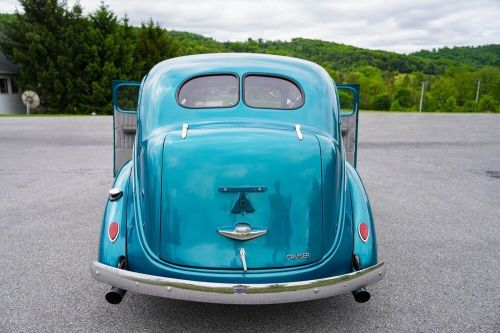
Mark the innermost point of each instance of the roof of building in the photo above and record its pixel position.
(7, 67)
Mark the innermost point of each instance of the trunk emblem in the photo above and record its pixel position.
(241, 231)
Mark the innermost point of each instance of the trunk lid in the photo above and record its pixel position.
(220, 181)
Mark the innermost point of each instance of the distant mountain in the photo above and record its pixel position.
(479, 56)
(329, 54)
(340, 56)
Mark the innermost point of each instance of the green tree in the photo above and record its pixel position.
(450, 105)
(395, 106)
(70, 60)
(153, 45)
(487, 103)
(440, 93)
(465, 82)
(404, 97)
(470, 106)
(110, 58)
(47, 42)
(490, 81)
(371, 83)
(381, 102)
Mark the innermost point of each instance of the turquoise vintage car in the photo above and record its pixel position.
(236, 183)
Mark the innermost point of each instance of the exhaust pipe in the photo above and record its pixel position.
(361, 295)
(115, 295)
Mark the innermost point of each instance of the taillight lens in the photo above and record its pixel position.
(363, 231)
(113, 231)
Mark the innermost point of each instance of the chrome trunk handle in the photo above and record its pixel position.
(242, 231)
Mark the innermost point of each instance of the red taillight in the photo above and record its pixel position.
(363, 231)
(113, 231)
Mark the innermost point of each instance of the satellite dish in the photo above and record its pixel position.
(31, 100)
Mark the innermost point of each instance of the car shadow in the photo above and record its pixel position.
(318, 315)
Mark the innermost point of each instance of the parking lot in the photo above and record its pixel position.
(433, 181)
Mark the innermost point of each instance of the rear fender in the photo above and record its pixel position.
(116, 211)
(361, 212)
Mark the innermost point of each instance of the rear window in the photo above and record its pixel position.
(210, 91)
(270, 92)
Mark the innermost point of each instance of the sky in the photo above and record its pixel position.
(394, 25)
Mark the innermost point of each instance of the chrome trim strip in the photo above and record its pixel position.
(184, 132)
(299, 131)
(236, 293)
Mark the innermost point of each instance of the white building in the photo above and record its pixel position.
(10, 96)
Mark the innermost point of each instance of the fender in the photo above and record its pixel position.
(111, 252)
(191, 168)
(361, 212)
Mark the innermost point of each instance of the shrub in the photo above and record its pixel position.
(404, 96)
(395, 106)
(450, 105)
(469, 106)
(381, 102)
(488, 104)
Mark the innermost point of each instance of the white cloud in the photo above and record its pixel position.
(396, 25)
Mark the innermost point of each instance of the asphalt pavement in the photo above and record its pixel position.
(433, 181)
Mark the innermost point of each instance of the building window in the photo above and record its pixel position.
(3, 86)
(13, 86)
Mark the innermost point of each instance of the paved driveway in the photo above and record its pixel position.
(434, 183)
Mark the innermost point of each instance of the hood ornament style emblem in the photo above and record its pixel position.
(242, 231)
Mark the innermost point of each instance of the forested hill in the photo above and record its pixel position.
(96, 48)
(337, 56)
(341, 56)
(486, 55)
(327, 54)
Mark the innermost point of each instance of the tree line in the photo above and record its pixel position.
(70, 59)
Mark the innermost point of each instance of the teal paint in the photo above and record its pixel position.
(172, 206)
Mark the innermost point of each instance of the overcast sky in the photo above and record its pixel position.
(396, 25)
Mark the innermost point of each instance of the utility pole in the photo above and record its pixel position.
(421, 97)
(477, 91)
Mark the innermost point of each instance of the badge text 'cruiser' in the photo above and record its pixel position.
(297, 256)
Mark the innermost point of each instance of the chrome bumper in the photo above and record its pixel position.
(227, 293)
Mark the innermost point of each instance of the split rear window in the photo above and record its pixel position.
(210, 91)
(270, 92)
(222, 91)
